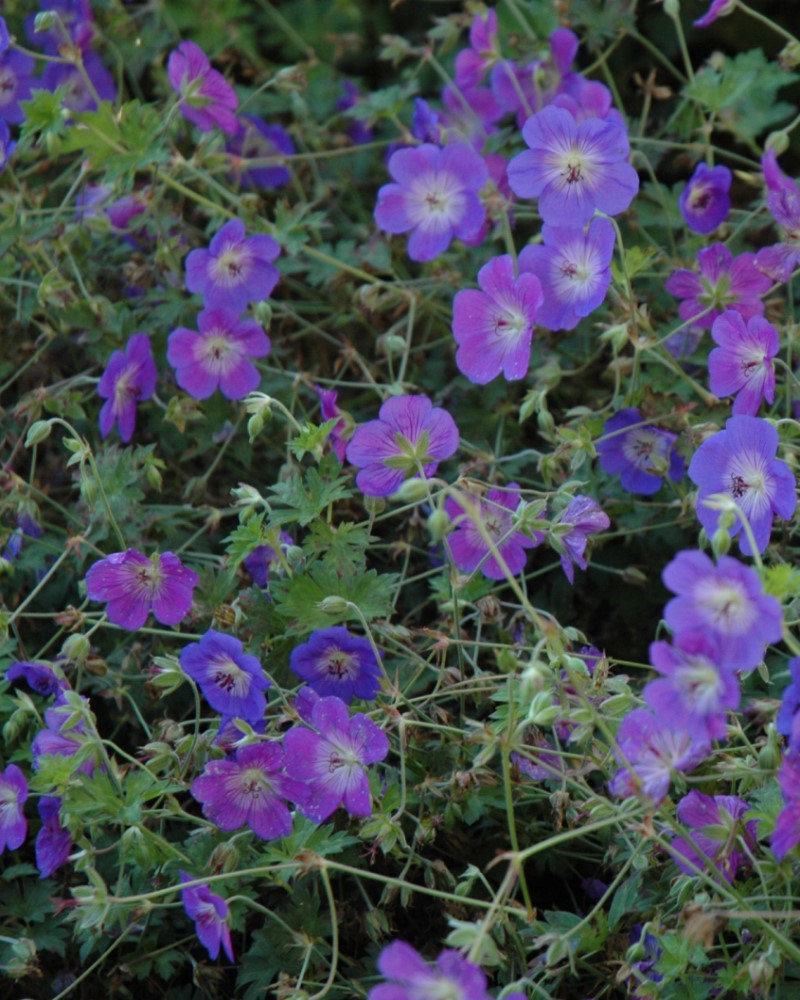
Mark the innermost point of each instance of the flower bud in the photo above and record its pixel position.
(333, 605)
(542, 711)
(720, 542)
(437, 525)
(411, 491)
(374, 505)
(39, 431)
(76, 649)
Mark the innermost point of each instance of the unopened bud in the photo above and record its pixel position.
(779, 141)
(720, 541)
(411, 491)
(672, 8)
(39, 431)
(333, 605)
(438, 523)
(76, 649)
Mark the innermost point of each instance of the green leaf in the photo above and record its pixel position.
(43, 117)
(305, 499)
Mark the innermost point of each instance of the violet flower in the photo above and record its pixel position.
(41, 677)
(740, 463)
(523, 90)
(218, 355)
(468, 547)
(65, 733)
(783, 202)
(727, 602)
(719, 832)
(53, 841)
(409, 438)
(473, 64)
(210, 914)
(13, 793)
(335, 662)
(639, 453)
(494, 326)
(232, 681)
(264, 560)
(786, 833)
(16, 78)
(256, 140)
(742, 363)
(330, 411)
(573, 169)
(330, 765)
(234, 270)
(134, 585)
(451, 976)
(434, 196)
(787, 721)
(574, 268)
(705, 201)
(207, 99)
(130, 377)
(77, 94)
(585, 518)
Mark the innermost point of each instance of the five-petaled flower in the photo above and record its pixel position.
(638, 452)
(210, 914)
(207, 99)
(232, 681)
(705, 201)
(235, 269)
(723, 282)
(452, 977)
(335, 662)
(741, 365)
(130, 377)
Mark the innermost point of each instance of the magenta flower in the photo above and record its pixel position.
(264, 560)
(705, 201)
(720, 833)
(574, 268)
(234, 270)
(330, 411)
(494, 327)
(523, 90)
(256, 140)
(639, 453)
(434, 197)
(130, 376)
(207, 99)
(724, 282)
(468, 547)
(409, 438)
(585, 518)
(16, 76)
(742, 363)
(53, 841)
(740, 463)
(13, 793)
(134, 585)
(573, 169)
(210, 914)
(786, 833)
(231, 680)
(717, 8)
(335, 662)
(218, 355)
(248, 790)
(473, 63)
(452, 976)
(727, 602)
(330, 765)
(783, 201)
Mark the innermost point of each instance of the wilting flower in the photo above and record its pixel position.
(329, 410)
(13, 793)
(473, 63)
(719, 832)
(41, 677)
(335, 662)
(231, 680)
(130, 377)
(639, 453)
(705, 201)
(783, 201)
(585, 518)
(78, 96)
(264, 559)
(53, 842)
(234, 270)
(717, 8)
(742, 363)
(786, 833)
(724, 282)
(134, 585)
(207, 99)
(210, 914)
(452, 977)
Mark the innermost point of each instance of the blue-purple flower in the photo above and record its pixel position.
(705, 201)
(53, 841)
(335, 662)
(723, 282)
(232, 681)
(210, 914)
(130, 377)
(741, 365)
(235, 269)
(207, 99)
(452, 977)
(786, 833)
(584, 518)
(787, 721)
(719, 831)
(13, 793)
(640, 454)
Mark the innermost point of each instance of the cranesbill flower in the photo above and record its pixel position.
(53, 842)
(783, 201)
(130, 377)
(434, 197)
(724, 282)
(719, 832)
(717, 8)
(16, 76)
(727, 602)
(331, 763)
(329, 410)
(5, 40)
(78, 96)
(248, 790)
(526, 89)
(494, 327)
(409, 438)
(335, 662)
(573, 169)
(469, 548)
(218, 355)
(452, 976)
(359, 130)
(210, 914)
(585, 518)
(134, 585)
(41, 677)
(740, 463)
(574, 268)
(705, 201)
(232, 681)
(639, 453)
(473, 63)
(13, 793)
(786, 833)
(264, 559)
(256, 140)
(742, 364)
(207, 99)
(787, 721)
(234, 270)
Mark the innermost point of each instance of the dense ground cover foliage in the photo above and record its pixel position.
(398, 500)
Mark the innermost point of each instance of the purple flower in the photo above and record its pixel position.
(783, 201)
(727, 602)
(409, 438)
(639, 453)
(207, 99)
(130, 376)
(53, 842)
(697, 690)
(334, 662)
(134, 585)
(742, 364)
(720, 834)
(64, 734)
(494, 327)
(473, 63)
(724, 282)
(787, 719)
(740, 462)
(248, 790)
(434, 196)
(7, 147)
(231, 680)
(5, 40)
(573, 169)
(654, 748)
(585, 518)
(524, 89)
(786, 833)
(574, 268)
(77, 94)
(234, 270)
(210, 914)
(330, 411)
(705, 201)
(358, 131)
(16, 76)
(264, 559)
(330, 765)
(717, 8)
(41, 677)
(468, 547)
(413, 979)
(218, 356)
(256, 141)
(13, 792)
